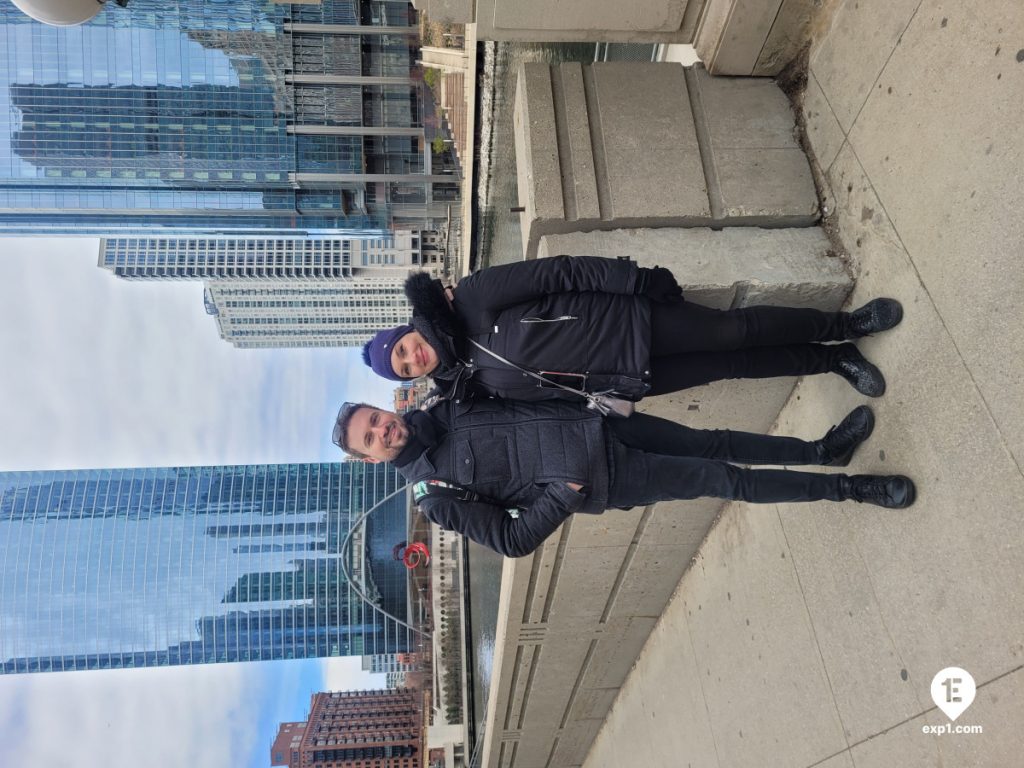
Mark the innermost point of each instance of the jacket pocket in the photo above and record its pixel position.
(483, 461)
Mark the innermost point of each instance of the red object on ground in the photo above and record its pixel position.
(416, 553)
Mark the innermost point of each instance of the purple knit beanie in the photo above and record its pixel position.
(377, 351)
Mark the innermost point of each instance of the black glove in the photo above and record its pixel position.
(658, 284)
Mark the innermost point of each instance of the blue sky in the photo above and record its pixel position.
(101, 372)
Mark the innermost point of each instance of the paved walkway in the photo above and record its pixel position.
(809, 635)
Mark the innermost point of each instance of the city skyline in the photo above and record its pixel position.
(103, 373)
(101, 376)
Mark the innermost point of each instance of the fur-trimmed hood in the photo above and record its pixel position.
(426, 295)
(435, 320)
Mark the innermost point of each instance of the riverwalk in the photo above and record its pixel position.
(809, 635)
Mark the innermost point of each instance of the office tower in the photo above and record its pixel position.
(350, 729)
(116, 568)
(300, 313)
(395, 679)
(382, 663)
(247, 117)
(269, 258)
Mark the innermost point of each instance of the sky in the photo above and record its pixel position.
(102, 372)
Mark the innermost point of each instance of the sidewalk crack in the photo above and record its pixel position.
(881, 616)
(814, 632)
(886, 64)
(700, 681)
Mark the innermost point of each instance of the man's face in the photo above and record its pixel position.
(380, 435)
(412, 357)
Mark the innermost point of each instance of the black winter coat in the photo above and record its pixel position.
(576, 315)
(513, 455)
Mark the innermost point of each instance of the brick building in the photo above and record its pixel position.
(355, 729)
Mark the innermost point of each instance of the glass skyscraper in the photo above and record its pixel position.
(216, 117)
(118, 568)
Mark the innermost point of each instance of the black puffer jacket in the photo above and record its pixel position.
(576, 315)
(514, 455)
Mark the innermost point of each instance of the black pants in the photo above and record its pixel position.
(692, 344)
(657, 460)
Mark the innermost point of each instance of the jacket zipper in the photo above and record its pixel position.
(548, 319)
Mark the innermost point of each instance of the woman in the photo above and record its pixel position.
(603, 325)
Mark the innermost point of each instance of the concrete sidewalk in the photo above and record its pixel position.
(808, 635)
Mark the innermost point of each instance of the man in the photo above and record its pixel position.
(508, 473)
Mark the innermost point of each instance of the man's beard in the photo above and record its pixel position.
(403, 435)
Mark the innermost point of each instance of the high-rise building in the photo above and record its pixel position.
(301, 313)
(269, 258)
(247, 117)
(381, 663)
(395, 679)
(355, 729)
(113, 568)
(285, 292)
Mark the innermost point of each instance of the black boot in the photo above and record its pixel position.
(873, 317)
(854, 367)
(839, 443)
(892, 491)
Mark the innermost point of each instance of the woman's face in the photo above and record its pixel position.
(412, 357)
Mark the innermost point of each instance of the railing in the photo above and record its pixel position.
(348, 577)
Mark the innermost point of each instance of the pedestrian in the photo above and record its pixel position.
(508, 473)
(536, 329)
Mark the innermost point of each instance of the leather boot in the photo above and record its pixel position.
(855, 368)
(837, 446)
(875, 316)
(892, 491)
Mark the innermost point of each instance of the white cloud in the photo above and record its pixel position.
(346, 674)
(100, 371)
(157, 718)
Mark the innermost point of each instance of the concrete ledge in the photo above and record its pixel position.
(753, 37)
(732, 34)
(574, 616)
(652, 21)
(624, 144)
(738, 266)
(732, 37)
